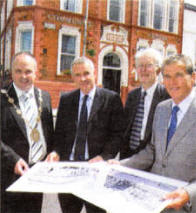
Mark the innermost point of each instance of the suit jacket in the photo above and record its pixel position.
(13, 129)
(179, 159)
(105, 124)
(131, 106)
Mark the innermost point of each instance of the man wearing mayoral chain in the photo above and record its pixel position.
(26, 131)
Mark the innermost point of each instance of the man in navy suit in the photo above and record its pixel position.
(27, 140)
(104, 128)
(148, 64)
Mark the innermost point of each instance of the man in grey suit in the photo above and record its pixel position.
(172, 151)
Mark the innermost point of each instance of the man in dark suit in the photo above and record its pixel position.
(138, 135)
(104, 126)
(26, 131)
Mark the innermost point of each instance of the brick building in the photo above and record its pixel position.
(54, 31)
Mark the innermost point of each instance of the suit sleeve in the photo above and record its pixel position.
(9, 157)
(115, 129)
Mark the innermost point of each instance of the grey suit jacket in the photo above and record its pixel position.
(179, 160)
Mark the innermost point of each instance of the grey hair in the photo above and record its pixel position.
(82, 60)
(23, 53)
(151, 52)
(186, 60)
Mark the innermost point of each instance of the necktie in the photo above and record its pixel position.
(173, 124)
(81, 132)
(30, 116)
(137, 124)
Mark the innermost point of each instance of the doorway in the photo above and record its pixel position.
(112, 72)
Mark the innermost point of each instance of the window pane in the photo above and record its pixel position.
(68, 44)
(66, 63)
(70, 5)
(111, 60)
(158, 14)
(25, 41)
(27, 2)
(143, 12)
(172, 15)
(114, 14)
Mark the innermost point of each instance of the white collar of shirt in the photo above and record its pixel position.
(150, 91)
(184, 105)
(20, 92)
(91, 94)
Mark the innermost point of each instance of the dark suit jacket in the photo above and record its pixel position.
(13, 130)
(105, 124)
(131, 105)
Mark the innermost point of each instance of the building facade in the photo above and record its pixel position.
(189, 32)
(109, 32)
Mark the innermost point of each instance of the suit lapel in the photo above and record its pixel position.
(97, 103)
(155, 101)
(18, 118)
(184, 126)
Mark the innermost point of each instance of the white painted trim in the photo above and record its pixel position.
(123, 60)
(20, 3)
(71, 31)
(78, 6)
(22, 27)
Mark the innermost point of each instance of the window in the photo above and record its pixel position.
(2, 16)
(159, 14)
(72, 5)
(143, 18)
(173, 14)
(69, 48)
(171, 50)
(142, 44)
(8, 49)
(25, 35)
(116, 10)
(25, 2)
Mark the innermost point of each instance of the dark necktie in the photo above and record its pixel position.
(173, 124)
(135, 135)
(81, 132)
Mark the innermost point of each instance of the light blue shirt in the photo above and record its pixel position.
(89, 104)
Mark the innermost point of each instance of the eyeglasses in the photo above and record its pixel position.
(146, 66)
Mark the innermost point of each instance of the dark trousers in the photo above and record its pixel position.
(21, 202)
(72, 204)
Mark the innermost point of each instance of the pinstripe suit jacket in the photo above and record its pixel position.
(179, 160)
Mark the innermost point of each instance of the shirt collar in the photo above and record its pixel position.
(20, 92)
(91, 94)
(184, 104)
(150, 91)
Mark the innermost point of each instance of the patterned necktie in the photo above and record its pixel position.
(30, 116)
(81, 132)
(173, 124)
(135, 135)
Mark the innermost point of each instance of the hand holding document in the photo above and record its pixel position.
(112, 187)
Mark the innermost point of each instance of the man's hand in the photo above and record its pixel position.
(96, 159)
(52, 157)
(178, 199)
(21, 167)
(113, 161)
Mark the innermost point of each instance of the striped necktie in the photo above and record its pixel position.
(30, 115)
(135, 135)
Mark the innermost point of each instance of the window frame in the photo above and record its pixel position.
(122, 11)
(21, 3)
(78, 6)
(23, 27)
(69, 31)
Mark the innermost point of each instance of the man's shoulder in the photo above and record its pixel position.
(164, 104)
(69, 94)
(106, 92)
(134, 92)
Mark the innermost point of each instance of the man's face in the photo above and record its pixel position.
(23, 72)
(177, 81)
(83, 77)
(147, 71)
